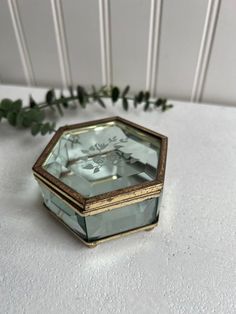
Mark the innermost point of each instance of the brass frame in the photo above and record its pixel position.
(109, 200)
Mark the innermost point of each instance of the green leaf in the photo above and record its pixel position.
(146, 96)
(32, 102)
(166, 107)
(115, 94)
(81, 96)
(126, 90)
(10, 109)
(135, 101)
(39, 115)
(65, 104)
(169, 106)
(16, 105)
(19, 119)
(27, 121)
(6, 104)
(59, 109)
(11, 117)
(35, 115)
(163, 105)
(125, 104)
(35, 128)
(26, 118)
(101, 102)
(50, 96)
(140, 97)
(1, 115)
(63, 101)
(164, 100)
(45, 128)
(158, 102)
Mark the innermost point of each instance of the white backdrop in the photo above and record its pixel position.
(183, 49)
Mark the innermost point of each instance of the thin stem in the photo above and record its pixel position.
(44, 105)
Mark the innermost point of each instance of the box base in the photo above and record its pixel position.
(116, 236)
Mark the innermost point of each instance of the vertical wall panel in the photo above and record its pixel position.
(83, 36)
(220, 83)
(154, 44)
(181, 31)
(130, 30)
(11, 70)
(36, 17)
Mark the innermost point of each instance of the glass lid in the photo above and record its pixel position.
(104, 157)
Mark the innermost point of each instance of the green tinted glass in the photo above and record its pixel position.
(103, 158)
(104, 224)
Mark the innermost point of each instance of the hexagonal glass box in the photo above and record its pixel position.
(104, 178)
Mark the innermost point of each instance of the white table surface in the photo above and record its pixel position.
(186, 265)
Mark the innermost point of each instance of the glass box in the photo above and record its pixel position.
(104, 178)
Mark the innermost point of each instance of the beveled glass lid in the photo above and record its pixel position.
(101, 157)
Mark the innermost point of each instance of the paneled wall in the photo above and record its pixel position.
(182, 49)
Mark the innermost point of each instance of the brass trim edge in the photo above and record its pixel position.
(98, 210)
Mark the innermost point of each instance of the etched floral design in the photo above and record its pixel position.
(102, 154)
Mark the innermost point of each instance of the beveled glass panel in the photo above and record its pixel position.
(122, 219)
(104, 157)
(105, 224)
(63, 211)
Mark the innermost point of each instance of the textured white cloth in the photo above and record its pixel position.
(186, 265)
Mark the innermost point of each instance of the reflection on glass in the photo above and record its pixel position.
(99, 226)
(103, 158)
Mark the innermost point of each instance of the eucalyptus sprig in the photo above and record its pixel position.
(33, 116)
